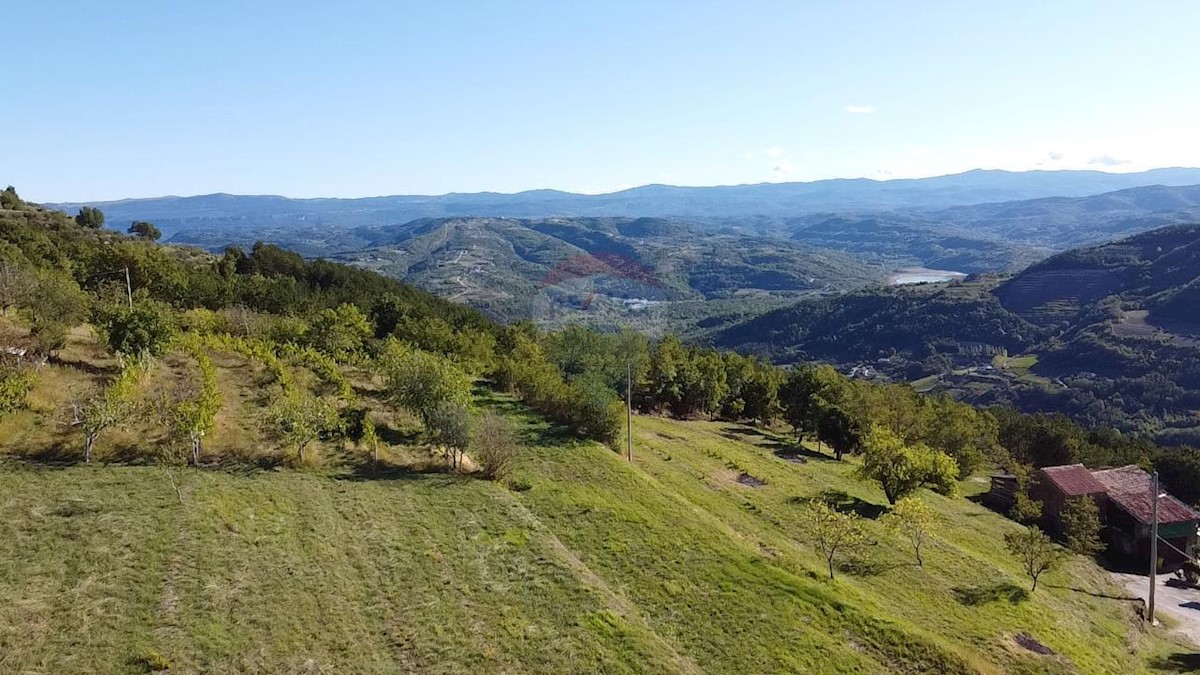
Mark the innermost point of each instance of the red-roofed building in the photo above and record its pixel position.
(1130, 513)
(1126, 504)
(1056, 484)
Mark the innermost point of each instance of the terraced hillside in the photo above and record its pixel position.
(691, 559)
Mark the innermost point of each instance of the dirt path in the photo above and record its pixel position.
(1180, 604)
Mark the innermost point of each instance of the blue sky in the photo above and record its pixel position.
(133, 99)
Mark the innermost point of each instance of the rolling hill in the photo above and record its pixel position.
(674, 563)
(1111, 334)
(557, 269)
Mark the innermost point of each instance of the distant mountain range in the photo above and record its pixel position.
(769, 199)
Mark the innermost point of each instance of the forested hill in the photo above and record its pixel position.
(1154, 271)
(557, 269)
(770, 199)
(1110, 334)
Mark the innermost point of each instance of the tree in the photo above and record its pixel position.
(340, 332)
(806, 395)
(839, 431)
(832, 532)
(107, 409)
(147, 327)
(420, 381)
(193, 414)
(144, 230)
(56, 305)
(299, 418)
(370, 436)
(90, 217)
(1036, 553)
(1025, 509)
(914, 520)
(449, 424)
(494, 446)
(15, 384)
(9, 198)
(901, 469)
(1081, 526)
(17, 284)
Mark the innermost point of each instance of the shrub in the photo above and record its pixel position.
(494, 447)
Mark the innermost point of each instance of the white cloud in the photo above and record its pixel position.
(774, 151)
(860, 109)
(784, 168)
(1108, 160)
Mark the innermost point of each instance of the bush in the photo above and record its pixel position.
(147, 327)
(449, 424)
(494, 447)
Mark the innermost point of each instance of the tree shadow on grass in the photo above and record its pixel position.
(1094, 594)
(868, 567)
(431, 473)
(798, 453)
(1177, 663)
(846, 503)
(396, 437)
(974, 596)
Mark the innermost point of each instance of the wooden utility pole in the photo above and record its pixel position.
(128, 288)
(629, 411)
(1153, 546)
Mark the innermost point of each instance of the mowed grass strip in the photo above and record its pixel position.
(282, 571)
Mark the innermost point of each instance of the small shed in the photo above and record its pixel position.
(1003, 492)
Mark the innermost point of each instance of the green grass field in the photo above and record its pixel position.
(671, 564)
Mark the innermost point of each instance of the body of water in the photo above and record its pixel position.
(921, 275)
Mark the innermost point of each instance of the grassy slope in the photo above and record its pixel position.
(671, 565)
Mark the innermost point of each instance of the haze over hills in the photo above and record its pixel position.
(770, 199)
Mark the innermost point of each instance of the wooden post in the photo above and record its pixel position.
(128, 288)
(1153, 546)
(629, 411)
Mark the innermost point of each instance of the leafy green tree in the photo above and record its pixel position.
(832, 532)
(449, 423)
(964, 432)
(370, 437)
(340, 332)
(901, 469)
(1025, 509)
(805, 396)
(15, 384)
(761, 393)
(56, 305)
(145, 230)
(1081, 526)
(9, 198)
(108, 409)
(147, 327)
(420, 381)
(90, 217)
(17, 284)
(708, 386)
(193, 414)
(1036, 553)
(915, 521)
(594, 411)
(839, 431)
(298, 418)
